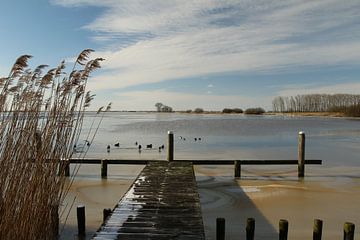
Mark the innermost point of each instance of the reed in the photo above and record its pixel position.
(41, 115)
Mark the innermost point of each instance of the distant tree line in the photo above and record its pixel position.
(256, 111)
(163, 108)
(232, 110)
(317, 103)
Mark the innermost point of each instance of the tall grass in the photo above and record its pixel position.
(41, 115)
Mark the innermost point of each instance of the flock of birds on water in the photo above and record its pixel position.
(139, 147)
(149, 146)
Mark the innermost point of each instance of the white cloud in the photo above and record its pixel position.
(177, 39)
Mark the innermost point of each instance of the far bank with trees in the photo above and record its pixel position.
(347, 104)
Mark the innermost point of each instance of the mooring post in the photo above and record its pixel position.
(55, 220)
(106, 213)
(170, 153)
(301, 154)
(104, 168)
(349, 230)
(237, 169)
(64, 168)
(317, 230)
(250, 229)
(80, 211)
(220, 229)
(283, 229)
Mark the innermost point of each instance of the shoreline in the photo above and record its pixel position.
(288, 114)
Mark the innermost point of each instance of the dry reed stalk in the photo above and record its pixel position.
(41, 115)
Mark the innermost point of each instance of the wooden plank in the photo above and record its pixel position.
(163, 203)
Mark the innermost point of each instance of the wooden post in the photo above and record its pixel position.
(55, 221)
(237, 169)
(104, 168)
(64, 167)
(301, 154)
(349, 229)
(220, 229)
(283, 229)
(106, 213)
(250, 229)
(81, 219)
(317, 230)
(170, 153)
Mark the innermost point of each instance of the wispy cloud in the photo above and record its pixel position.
(152, 41)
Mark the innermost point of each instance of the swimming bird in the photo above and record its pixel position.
(195, 139)
(162, 146)
(149, 146)
(139, 147)
(108, 148)
(136, 143)
(180, 137)
(117, 144)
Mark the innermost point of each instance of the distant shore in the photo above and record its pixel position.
(295, 114)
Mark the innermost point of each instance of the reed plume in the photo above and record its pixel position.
(41, 116)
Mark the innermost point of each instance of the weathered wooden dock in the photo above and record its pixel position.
(163, 203)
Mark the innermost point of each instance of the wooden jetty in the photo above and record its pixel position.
(163, 203)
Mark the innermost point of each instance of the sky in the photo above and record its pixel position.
(210, 54)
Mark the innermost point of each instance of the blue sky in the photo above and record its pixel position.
(187, 54)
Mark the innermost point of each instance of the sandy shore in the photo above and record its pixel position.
(267, 194)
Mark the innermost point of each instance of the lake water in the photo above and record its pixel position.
(268, 193)
(334, 140)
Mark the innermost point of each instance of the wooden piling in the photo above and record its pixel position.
(170, 153)
(104, 168)
(250, 229)
(80, 211)
(283, 229)
(106, 213)
(301, 154)
(220, 229)
(237, 168)
(64, 168)
(55, 220)
(317, 229)
(349, 230)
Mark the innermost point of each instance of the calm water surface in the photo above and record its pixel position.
(335, 140)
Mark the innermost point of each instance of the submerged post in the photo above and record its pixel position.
(80, 212)
(301, 154)
(170, 153)
(220, 229)
(55, 220)
(104, 168)
(317, 232)
(283, 229)
(106, 213)
(250, 229)
(349, 229)
(237, 169)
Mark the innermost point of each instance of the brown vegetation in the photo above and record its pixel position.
(41, 118)
(256, 111)
(348, 104)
